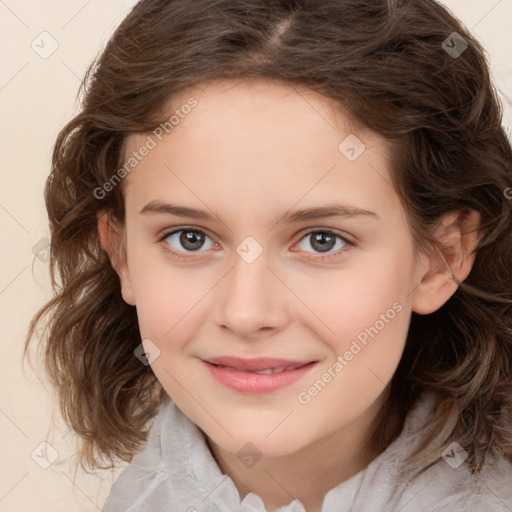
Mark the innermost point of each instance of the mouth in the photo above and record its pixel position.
(254, 376)
(261, 365)
(266, 371)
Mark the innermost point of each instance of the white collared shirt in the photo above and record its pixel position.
(176, 472)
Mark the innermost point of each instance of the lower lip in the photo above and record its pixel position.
(256, 383)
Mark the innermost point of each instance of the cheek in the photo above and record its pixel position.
(346, 305)
(367, 346)
(172, 305)
(164, 308)
(365, 315)
(162, 294)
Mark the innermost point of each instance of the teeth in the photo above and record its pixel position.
(268, 371)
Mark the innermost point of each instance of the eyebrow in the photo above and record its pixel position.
(329, 210)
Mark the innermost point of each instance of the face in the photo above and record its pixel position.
(327, 291)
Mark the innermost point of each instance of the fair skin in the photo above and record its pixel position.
(248, 152)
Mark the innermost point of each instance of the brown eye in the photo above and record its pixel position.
(186, 240)
(191, 240)
(323, 242)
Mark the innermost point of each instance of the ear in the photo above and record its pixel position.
(452, 261)
(111, 238)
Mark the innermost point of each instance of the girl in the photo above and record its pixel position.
(282, 254)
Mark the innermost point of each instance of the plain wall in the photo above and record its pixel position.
(37, 97)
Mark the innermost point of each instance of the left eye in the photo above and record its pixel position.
(324, 241)
(190, 239)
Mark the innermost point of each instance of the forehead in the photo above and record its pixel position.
(285, 110)
(258, 139)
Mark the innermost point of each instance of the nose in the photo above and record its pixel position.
(252, 301)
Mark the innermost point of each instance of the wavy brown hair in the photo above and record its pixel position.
(387, 62)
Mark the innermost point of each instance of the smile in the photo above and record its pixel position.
(260, 380)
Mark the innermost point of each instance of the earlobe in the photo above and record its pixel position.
(451, 262)
(112, 243)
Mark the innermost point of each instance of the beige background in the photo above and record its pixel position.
(37, 97)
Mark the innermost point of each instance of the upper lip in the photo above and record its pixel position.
(261, 363)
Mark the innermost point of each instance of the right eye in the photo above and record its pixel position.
(190, 239)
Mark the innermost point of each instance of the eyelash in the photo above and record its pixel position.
(181, 256)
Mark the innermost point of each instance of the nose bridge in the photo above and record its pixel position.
(250, 298)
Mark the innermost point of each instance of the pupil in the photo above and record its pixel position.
(325, 241)
(193, 238)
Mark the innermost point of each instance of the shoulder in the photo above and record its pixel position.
(145, 472)
(445, 487)
(173, 467)
(444, 482)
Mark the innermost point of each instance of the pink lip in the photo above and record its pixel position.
(255, 383)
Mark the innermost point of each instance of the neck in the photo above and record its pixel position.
(309, 473)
